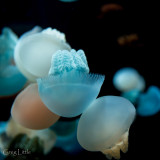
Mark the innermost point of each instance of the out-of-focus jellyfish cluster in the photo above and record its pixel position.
(132, 85)
(60, 85)
(11, 80)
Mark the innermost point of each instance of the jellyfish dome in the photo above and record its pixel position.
(105, 124)
(29, 111)
(127, 79)
(148, 103)
(11, 80)
(69, 89)
(33, 52)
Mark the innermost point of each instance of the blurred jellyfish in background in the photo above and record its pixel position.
(131, 95)
(69, 89)
(66, 132)
(148, 103)
(104, 126)
(2, 126)
(128, 81)
(11, 80)
(46, 136)
(29, 110)
(33, 51)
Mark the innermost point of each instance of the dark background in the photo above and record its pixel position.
(84, 29)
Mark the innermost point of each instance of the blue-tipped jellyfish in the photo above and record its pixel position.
(69, 89)
(29, 110)
(104, 126)
(127, 79)
(148, 103)
(11, 80)
(33, 52)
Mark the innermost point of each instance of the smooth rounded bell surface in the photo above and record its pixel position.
(127, 79)
(29, 110)
(104, 122)
(33, 53)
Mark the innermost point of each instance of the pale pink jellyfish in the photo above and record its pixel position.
(29, 110)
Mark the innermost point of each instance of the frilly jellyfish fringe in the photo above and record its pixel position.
(104, 126)
(77, 90)
(68, 60)
(122, 145)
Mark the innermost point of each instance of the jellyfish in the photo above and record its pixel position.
(64, 128)
(132, 95)
(35, 29)
(127, 79)
(104, 126)
(33, 52)
(2, 126)
(69, 89)
(11, 80)
(67, 141)
(148, 103)
(29, 110)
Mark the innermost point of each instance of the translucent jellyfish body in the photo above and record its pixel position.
(29, 111)
(148, 103)
(67, 141)
(69, 89)
(127, 79)
(64, 128)
(131, 95)
(11, 80)
(104, 126)
(33, 52)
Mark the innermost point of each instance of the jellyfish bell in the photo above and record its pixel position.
(104, 126)
(127, 79)
(33, 52)
(69, 89)
(148, 104)
(29, 111)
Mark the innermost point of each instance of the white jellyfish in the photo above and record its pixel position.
(104, 126)
(127, 79)
(33, 52)
(69, 89)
